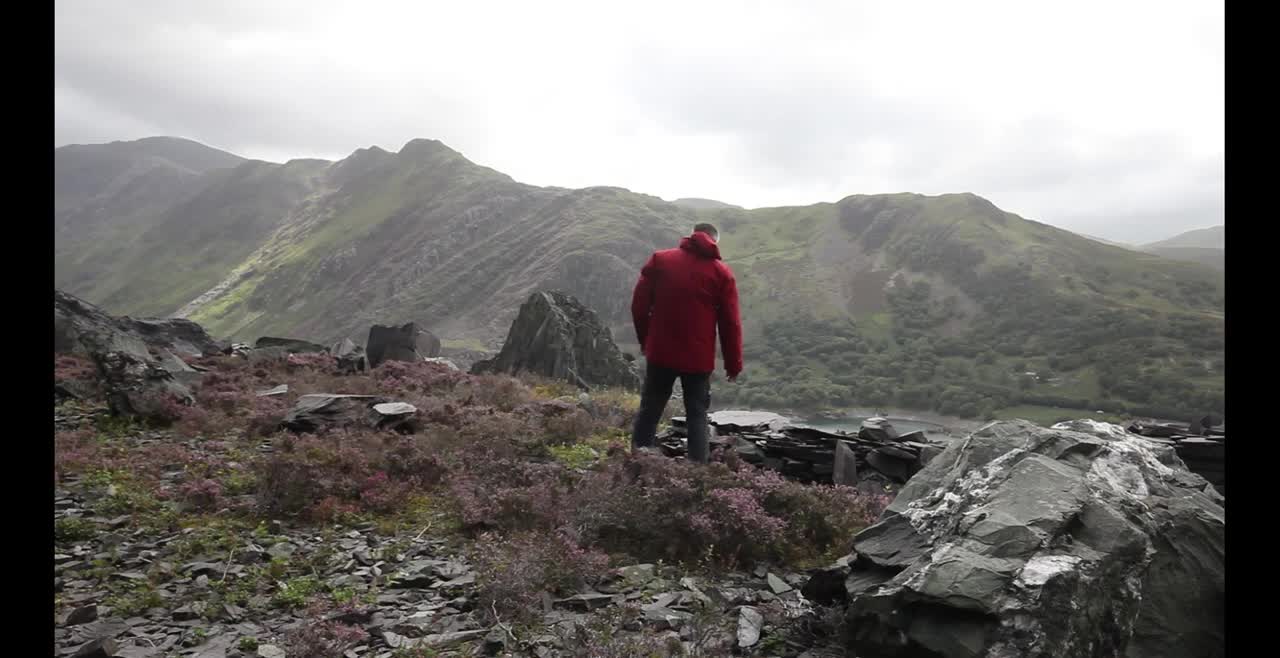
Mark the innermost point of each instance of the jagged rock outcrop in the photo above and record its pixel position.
(405, 343)
(556, 336)
(138, 362)
(1025, 541)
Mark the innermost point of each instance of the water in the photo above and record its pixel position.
(853, 423)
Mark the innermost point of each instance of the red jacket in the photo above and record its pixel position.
(682, 296)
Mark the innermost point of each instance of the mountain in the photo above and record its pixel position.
(1214, 237)
(1106, 241)
(927, 302)
(703, 204)
(105, 194)
(1207, 246)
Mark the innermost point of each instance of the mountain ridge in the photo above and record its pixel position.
(324, 249)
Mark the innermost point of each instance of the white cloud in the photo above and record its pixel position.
(1084, 115)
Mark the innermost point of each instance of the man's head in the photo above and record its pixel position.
(709, 230)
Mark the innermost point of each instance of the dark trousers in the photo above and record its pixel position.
(658, 383)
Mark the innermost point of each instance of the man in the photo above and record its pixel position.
(682, 297)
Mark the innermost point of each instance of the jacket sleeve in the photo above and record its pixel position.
(730, 325)
(642, 301)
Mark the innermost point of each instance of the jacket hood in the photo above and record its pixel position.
(700, 243)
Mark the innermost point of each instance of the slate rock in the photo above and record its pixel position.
(1030, 541)
(99, 648)
(350, 357)
(270, 651)
(556, 336)
(323, 410)
(82, 615)
(280, 390)
(750, 623)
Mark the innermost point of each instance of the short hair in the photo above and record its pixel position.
(708, 229)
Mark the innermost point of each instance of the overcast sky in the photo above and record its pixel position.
(1100, 117)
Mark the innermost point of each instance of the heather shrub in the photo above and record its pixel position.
(73, 452)
(513, 572)
(820, 518)
(567, 427)
(321, 636)
(504, 493)
(76, 374)
(202, 495)
(344, 472)
(497, 391)
(656, 508)
(73, 367)
(491, 427)
(408, 379)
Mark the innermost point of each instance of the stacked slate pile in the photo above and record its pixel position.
(1202, 445)
(873, 457)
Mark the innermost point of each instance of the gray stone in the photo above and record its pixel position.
(319, 411)
(350, 357)
(82, 615)
(778, 585)
(637, 574)
(282, 389)
(879, 430)
(393, 415)
(270, 651)
(404, 343)
(750, 622)
(282, 549)
(1027, 541)
(665, 618)
(586, 602)
(445, 639)
(556, 336)
(99, 648)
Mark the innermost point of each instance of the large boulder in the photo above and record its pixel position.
(405, 343)
(1025, 541)
(138, 362)
(555, 336)
(141, 388)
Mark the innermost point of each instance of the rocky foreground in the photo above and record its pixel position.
(219, 502)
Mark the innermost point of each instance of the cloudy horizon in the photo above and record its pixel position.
(1104, 119)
